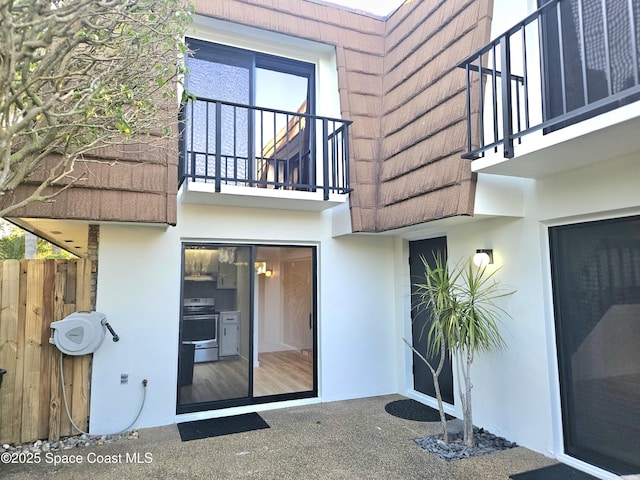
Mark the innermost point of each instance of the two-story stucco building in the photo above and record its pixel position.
(267, 258)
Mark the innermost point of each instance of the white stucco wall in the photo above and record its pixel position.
(139, 291)
(515, 391)
(139, 277)
(511, 387)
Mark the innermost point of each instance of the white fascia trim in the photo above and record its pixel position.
(322, 55)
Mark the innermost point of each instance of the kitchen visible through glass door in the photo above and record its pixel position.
(247, 325)
(215, 326)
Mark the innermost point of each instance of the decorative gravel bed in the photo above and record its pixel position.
(67, 443)
(486, 443)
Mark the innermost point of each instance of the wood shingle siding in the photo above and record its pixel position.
(400, 86)
(422, 176)
(398, 83)
(133, 183)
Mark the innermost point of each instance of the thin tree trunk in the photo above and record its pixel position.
(469, 439)
(436, 386)
(435, 373)
(461, 382)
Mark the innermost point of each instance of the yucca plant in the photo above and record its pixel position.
(462, 304)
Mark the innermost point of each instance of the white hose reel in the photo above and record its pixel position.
(80, 333)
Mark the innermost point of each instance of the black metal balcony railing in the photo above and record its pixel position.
(568, 61)
(228, 143)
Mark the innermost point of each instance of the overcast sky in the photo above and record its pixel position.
(377, 7)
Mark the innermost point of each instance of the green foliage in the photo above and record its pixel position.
(12, 244)
(12, 247)
(462, 302)
(48, 250)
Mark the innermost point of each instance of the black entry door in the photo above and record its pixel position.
(596, 287)
(422, 378)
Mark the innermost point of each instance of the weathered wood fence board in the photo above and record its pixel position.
(34, 293)
(11, 385)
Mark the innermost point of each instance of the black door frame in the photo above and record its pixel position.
(250, 399)
(422, 378)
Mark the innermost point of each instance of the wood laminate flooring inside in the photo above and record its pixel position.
(278, 372)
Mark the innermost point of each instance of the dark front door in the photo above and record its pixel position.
(422, 378)
(596, 287)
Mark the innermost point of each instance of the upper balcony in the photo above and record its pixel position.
(558, 90)
(235, 154)
(250, 135)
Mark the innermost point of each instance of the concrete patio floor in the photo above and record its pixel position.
(355, 439)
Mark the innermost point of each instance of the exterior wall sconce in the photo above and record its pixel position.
(483, 257)
(268, 273)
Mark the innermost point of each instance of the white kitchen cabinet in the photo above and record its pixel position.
(229, 333)
(227, 275)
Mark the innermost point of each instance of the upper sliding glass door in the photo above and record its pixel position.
(249, 109)
(589, 55)
(247, 325)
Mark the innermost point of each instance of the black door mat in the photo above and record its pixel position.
(410, 409)
(214, 427)
(559, 471)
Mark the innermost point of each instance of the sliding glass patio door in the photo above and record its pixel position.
(286, 333)
(247, 325)
(596, 285)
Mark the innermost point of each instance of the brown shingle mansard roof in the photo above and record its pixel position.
(398, 83)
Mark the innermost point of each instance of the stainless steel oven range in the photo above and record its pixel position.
(200, 328)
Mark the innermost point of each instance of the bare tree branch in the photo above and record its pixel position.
(78, 75)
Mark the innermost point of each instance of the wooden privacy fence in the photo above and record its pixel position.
(34, 293)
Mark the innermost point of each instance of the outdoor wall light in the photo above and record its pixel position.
(483, 257)
(268, 273)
